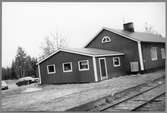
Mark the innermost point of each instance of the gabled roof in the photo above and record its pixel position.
(140, 36)
(96, 52)
(86, 51)
(135, 36)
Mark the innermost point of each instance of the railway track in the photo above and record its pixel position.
(157, 104)
(137, 101)
(130, 100)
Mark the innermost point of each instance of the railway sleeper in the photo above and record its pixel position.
(105, 102)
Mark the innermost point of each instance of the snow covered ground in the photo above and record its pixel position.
(62, 97)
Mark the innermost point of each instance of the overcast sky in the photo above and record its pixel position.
(27, 24)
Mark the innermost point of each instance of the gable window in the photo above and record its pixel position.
(154, 53)
(83, 65)
(116, 61)
(163, 53)
(67, 67)
(106, 39)
(51, 69)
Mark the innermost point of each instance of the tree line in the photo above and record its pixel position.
(23, 65)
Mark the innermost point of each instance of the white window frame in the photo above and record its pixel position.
(80, 67)
(107, 38)
(118, 61)
(163, 55)
(70, 65)
(54, 69)
(154, 49)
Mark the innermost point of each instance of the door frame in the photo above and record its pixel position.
(102, 78)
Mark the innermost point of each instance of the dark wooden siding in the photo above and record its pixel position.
(118, 43)
(111, 70)
(148, 63)
(66, 77)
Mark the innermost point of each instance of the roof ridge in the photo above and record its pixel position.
(121, 34)
(134, 32)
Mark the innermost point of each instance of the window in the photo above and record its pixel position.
(163, 53)
(106, 39)
(83, 65)
(67, 67)
(116, 61)
(51, 69)
(154, 53)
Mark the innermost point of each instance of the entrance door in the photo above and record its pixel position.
(103, 68)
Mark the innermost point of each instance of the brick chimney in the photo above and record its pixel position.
(128, 27)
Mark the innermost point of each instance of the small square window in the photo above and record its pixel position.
(67, 67)
(51, 69)
(83, 65)
(116, 61)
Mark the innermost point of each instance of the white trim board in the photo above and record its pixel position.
(95, 69)
(109, 55)
(39, 72)
(140, 56)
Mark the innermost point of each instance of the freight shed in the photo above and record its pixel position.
(81, 65)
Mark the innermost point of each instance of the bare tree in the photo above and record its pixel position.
(48, 47)
(150, 29)
(20, 61)
(23, 65)
(51, 44)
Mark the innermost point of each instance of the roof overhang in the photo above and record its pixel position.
(76, 52)
(108, 55)
(65, 50)
(152, 42)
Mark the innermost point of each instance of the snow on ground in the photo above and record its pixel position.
(31, 89)
(11, 84)
(62, 97)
